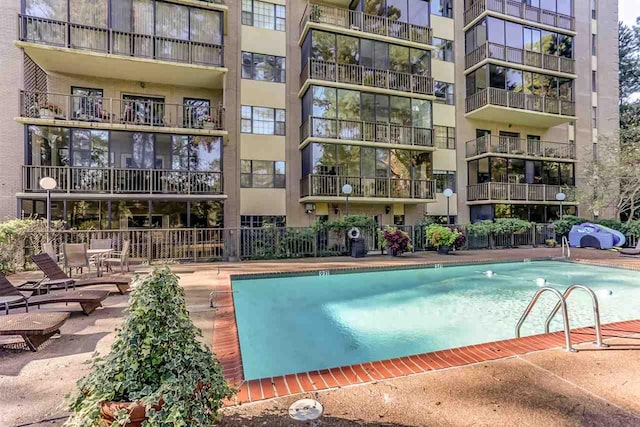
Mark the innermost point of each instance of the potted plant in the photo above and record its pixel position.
(460, 241)
(157, 372)
(206, 122)
(441, 237)
(48, 109)
(396, 242)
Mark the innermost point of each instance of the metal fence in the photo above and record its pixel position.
(218, 244)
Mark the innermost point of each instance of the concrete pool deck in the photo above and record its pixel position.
(548, 387)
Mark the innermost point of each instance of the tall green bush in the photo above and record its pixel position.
(563, 226)
(156, 357)
(510, 226)
(346, 222)
(18, 237)
(480, 228)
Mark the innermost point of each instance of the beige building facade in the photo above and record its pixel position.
(189, 113)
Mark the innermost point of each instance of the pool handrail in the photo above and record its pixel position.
(596, 311)
(565, 315)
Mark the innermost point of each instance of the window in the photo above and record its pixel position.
(442, 8)
(444, 180)
(268, 68)
(262, 174)
(594, 8)
(263, 120)
(263, 15)
(594, 81)
(445, 137)
(594, 44)
(258, 221)
(444, 49)
(445, 92)
(594, 117)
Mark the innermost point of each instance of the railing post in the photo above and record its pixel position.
(194, 245)
(149, 247)
(111, 179)
(68, 183)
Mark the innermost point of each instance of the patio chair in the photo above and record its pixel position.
(56, 278)
(100, 244)
(34, 328)
(634, 252)
(12, 297)
(121, 258)
(75, 256)
(47, 248)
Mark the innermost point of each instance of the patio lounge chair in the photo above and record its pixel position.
(631, 251)
(34, 328)
(55, 278)
(11, 297)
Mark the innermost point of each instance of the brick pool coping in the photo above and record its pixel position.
(226, 344)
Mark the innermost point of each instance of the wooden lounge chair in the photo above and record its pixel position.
(11, 297)
(631, 251)
(34, 328)
(55, 278)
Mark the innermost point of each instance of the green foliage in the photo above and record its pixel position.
(278, 243)
(346, 222)
(441, 236)
(614, 224)
(510, 226)
(552, 243)
(563, 226)
(480, 228)
(632, 228)
(18, 236)
(156, 355)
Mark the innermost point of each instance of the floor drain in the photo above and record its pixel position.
(305, 410)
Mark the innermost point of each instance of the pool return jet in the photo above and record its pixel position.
(562, 305)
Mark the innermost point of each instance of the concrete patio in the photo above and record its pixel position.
(548, 387)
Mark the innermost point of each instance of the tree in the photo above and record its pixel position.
(615, 175)
(629, 71)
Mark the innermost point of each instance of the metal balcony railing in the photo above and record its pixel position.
(520, 56)
(107, 40)
(520, 147)
(519, 9)
(366, 76)
(355, 130)
(360, 21)
(141, 112)
(520, 101)
(331, 186)
(72, 179)
(503, 191)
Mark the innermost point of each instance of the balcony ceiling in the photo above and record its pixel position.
(95, 64)
(498, 114)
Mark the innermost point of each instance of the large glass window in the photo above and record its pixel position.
(269, 68)
(444, 180)
(442, 8)
(263, 120)
(444, 49)
(48, 146)
(264, 15)
(262, 174)
(89, 148)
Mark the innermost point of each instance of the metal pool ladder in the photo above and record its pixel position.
(565, 248)
(562, 304)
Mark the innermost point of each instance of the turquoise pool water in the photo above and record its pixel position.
(303, 323)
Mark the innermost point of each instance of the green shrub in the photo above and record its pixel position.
(632, 228)
(614, 224)
(563, 226)
(156, 355)
(510, 226)
(19, 237)
(346, 222)
(480, 228)
(441, 236)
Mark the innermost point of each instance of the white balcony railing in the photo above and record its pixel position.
(519, 9)
(505, 192)
(520, 147)
(520, 101)
(331, 186)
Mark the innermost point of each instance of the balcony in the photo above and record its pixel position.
(502, 192)
(318, 188)
(319, 129)
(361, 24)
(111, 113)
(120, 181)
(512, 55)
(519, 9)
(520, 148)
(375, 79)
(499, 105)
(70, 48)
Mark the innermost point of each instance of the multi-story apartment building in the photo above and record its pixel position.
(191, 113)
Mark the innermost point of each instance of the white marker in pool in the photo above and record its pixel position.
(489, 273)
(605, 292)
(541, 281)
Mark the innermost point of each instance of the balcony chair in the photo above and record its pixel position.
(120, 257)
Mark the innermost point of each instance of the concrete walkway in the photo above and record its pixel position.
(544, 388)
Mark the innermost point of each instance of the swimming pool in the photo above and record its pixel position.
(294, 324)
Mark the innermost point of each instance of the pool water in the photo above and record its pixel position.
(303, 323)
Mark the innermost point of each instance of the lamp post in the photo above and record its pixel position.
(347, 190)
(561, 198)
(448, 193)
(48, 183)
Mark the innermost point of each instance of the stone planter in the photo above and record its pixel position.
(137, 412)
(444, 250)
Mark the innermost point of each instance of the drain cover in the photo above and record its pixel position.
(305, 410)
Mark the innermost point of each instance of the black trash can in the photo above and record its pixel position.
(358, 248)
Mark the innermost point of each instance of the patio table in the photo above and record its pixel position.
(99, 254)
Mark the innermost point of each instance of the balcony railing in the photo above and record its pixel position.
(520, 56)
(521, 101)
(366, 76)
(360, 21)
(73, 179)
(519, 9)
(353, 130)
(107, 40)
(141, 112)
(502, 191)
(331, 186)
(520, 147)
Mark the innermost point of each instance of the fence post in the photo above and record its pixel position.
(149, 248)
(194, 244)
